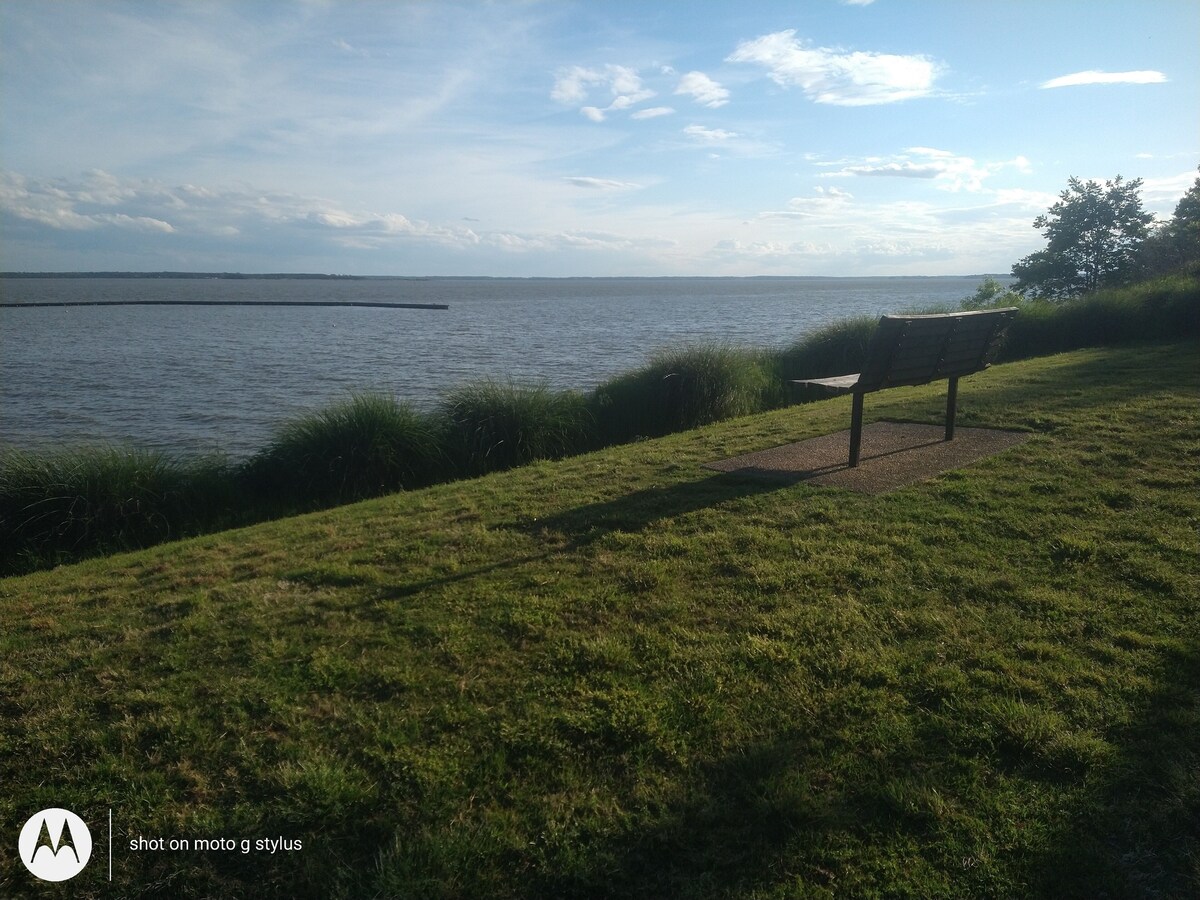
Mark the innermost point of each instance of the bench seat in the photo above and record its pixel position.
(918, 349)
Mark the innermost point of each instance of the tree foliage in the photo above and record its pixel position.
(1175, 243)
(1093, 237)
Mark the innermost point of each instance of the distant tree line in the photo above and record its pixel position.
(232, 276)
(1099, 236)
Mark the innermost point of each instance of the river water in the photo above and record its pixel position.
(203, 378)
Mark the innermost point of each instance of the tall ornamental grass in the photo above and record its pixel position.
(684, 388)
(493, 425)
(1161, 309)
(68, 504)
(836, 349)
(364, 446)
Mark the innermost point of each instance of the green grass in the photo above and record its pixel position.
(622, 674)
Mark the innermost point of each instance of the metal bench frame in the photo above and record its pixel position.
(911, 350)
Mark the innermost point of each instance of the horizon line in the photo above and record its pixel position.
(121, 273)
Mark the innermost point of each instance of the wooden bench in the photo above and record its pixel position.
(917, 350)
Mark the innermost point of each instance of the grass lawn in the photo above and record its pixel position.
(624, 675)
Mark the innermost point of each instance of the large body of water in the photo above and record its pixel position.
(221, 378)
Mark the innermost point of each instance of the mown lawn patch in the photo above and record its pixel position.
(623, 675)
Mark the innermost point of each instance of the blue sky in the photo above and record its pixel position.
(578, 138)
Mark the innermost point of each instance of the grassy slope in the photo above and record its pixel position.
(623, 675)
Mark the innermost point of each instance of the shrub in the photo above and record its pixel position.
(364, 446)
(684, 388)
(492, 425)
(68, 504)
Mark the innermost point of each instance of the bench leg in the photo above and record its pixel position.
(856, 429)
(951, 407)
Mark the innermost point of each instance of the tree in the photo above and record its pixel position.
(1093, 235)
(991, 294)
(1175, 243)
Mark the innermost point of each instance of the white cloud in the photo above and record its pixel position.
(839, 77)
(652, 113)
(948, 170)
(231, 221)
(703, 90)
(826, 202)
(1145, 76)
(904, 169)
(831, 231)
(60, 206)
(571, 85)
(346, 47)
(600, 184)
(624, 85)
(709, 135)
(1162, 194)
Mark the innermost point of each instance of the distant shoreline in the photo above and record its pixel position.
(238, 276)
(300, 276)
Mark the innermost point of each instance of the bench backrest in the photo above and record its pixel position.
(920, 349)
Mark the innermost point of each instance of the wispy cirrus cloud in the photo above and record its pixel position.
(652, 112)
(600, 184)
(709, 135)
(1143, 76)
(839, 77)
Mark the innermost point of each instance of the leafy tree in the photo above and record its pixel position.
(1176, 243)
(1093, 235)
(991, 294)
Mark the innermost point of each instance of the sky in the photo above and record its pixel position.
(559, 138)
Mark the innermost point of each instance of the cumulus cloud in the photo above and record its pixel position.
(61, 206)
(575, 85)
(839, 77)
(1144, 76)
(703, 90)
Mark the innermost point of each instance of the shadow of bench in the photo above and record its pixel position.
(911, 350)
